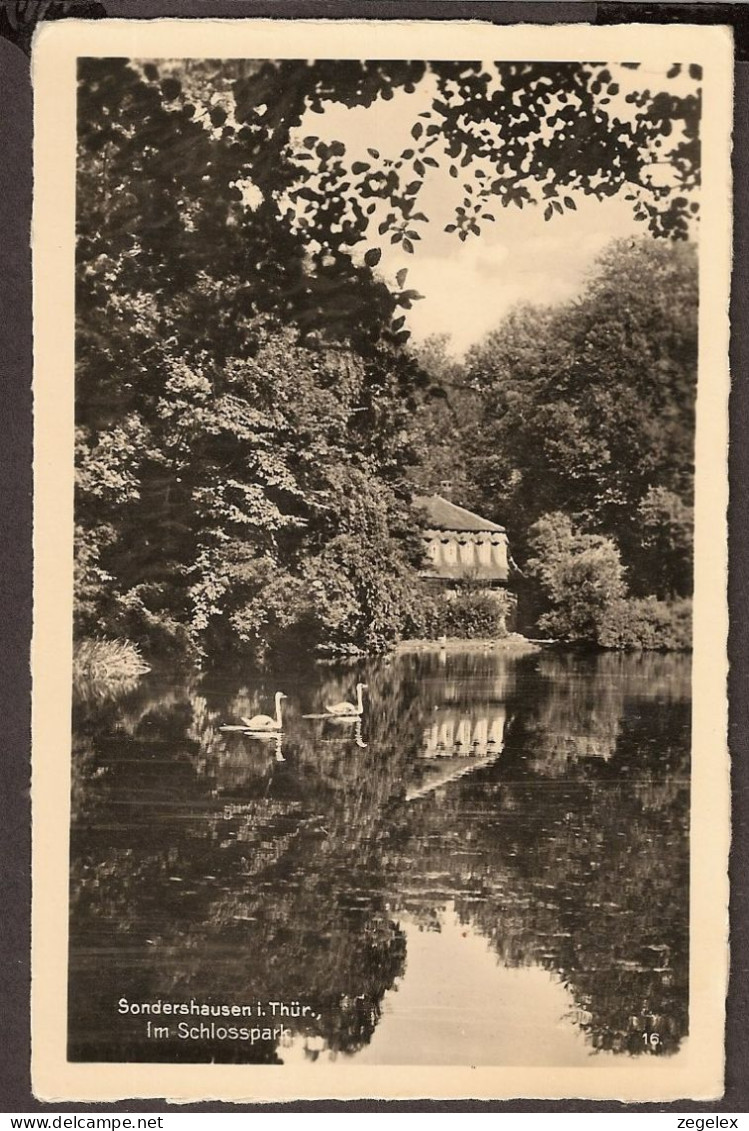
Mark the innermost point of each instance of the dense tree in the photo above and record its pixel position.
(240, 413)
(448, 425)
(580, 573)
(589, 410)
(241, 502)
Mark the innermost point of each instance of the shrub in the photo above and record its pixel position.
(582, 579)
(474, 613)
(425, 613)
(648, 624)
(279, 605)
(580, 575)
(359, 594)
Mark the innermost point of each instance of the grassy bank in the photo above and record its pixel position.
(513, 642)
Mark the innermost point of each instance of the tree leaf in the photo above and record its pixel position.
(171, 88)
(373, 256)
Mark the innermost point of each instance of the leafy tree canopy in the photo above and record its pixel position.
(238, 137)
(507, 133)
(589, 410)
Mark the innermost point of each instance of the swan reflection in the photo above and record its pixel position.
(265, 736)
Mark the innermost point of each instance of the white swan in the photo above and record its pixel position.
(348, 710)
(265, 722)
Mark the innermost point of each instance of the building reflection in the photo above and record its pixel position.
(457, 743)
(462, 734)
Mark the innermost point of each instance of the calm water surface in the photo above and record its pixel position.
(490, 867)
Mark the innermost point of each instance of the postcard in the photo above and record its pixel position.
(380, 624)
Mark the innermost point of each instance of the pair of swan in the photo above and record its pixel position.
(343, 710)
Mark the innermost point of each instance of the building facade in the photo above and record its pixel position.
(461, 545)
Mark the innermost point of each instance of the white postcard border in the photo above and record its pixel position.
(697, 1072)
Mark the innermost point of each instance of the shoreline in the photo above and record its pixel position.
(512, 643)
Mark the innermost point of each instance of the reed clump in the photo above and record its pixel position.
(107, 660)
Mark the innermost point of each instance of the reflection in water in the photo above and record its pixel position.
(484, 1013)
(501, 839)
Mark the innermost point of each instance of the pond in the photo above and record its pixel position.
(488, 867)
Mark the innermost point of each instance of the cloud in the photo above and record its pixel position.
(469, 287)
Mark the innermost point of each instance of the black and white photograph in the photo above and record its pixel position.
(380, 617)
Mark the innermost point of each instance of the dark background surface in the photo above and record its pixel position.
(16, 511)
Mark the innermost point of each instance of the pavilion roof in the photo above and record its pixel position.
(444, 515)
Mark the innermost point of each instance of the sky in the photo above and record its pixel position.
(469, 287)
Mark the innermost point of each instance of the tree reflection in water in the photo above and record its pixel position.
(545, 797)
